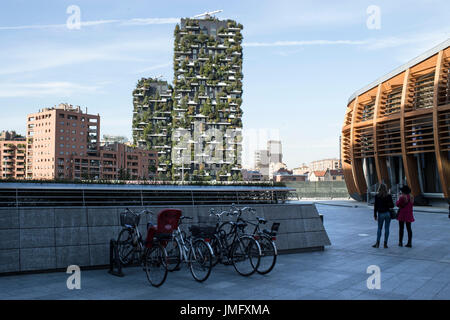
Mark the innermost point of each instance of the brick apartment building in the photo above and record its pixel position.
(12, 155)
(63, 143)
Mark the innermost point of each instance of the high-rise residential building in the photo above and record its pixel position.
(270, 160)
(208, 96)
(63, 143)
(152, 120)
(275, 152)
(12, 155)
(55, 135)
(262, 162)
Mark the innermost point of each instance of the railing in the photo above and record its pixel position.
(41, 195)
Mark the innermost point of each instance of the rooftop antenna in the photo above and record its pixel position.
(159, 77)
(207, 15)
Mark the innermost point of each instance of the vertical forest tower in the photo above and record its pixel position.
(206, 97)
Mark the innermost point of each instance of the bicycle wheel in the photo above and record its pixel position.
(268, 255)
(200, 260)
(125, 247)
(174, 254)
(155, 265)
(246, 255)
(216, 246)
(226, 231)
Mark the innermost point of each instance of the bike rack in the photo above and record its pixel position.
(114, 260)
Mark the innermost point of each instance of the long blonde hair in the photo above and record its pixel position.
(382, 190)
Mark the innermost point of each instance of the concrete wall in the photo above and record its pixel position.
(50, 238)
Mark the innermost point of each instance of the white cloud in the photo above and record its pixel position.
(55, 88)
(147, 21)
(128, 22)
(304, 43)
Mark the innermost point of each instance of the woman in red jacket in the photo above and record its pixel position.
(405, 214)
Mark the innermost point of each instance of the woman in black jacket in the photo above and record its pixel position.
(383, 202)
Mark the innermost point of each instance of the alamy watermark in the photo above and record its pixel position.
(373, 21)
(74, 20)
(73, 281)
(374, 281)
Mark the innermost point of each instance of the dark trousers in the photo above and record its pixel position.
(401, 225)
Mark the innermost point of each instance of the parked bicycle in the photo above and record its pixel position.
(149, 253)
(266, 238)
(194, 250)
(236, 248)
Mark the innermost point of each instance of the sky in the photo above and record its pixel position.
(302, 60)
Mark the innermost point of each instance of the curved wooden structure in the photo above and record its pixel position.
(397, 129)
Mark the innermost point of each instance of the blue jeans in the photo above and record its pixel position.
(383, 217)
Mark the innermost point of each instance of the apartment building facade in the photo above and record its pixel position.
(12, 155)
(116, 161)
(325, 164)
(63, 143)
(56, 135)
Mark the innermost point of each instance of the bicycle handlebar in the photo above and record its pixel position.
(145, 211)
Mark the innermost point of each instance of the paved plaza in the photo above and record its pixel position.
(338, 272)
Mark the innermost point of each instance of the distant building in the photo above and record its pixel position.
(12, 155)
(275, 152)
(262, 162)
(276, 168)
(10, 136)
(290, 177)
(112, 139)
(322, 175)
(337, 175)
(326, 175)
(303, 169)
(269, 160)
(321, 165)
(251, 175)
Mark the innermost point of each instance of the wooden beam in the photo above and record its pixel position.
(442, 160)
(409, 163)
(357, 168)
(380, 162)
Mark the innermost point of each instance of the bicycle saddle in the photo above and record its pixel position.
(241, 225)
(261, 220)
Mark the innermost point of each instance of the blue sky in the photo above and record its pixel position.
(302, 60)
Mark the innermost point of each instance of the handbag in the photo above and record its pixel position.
(393, 213)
